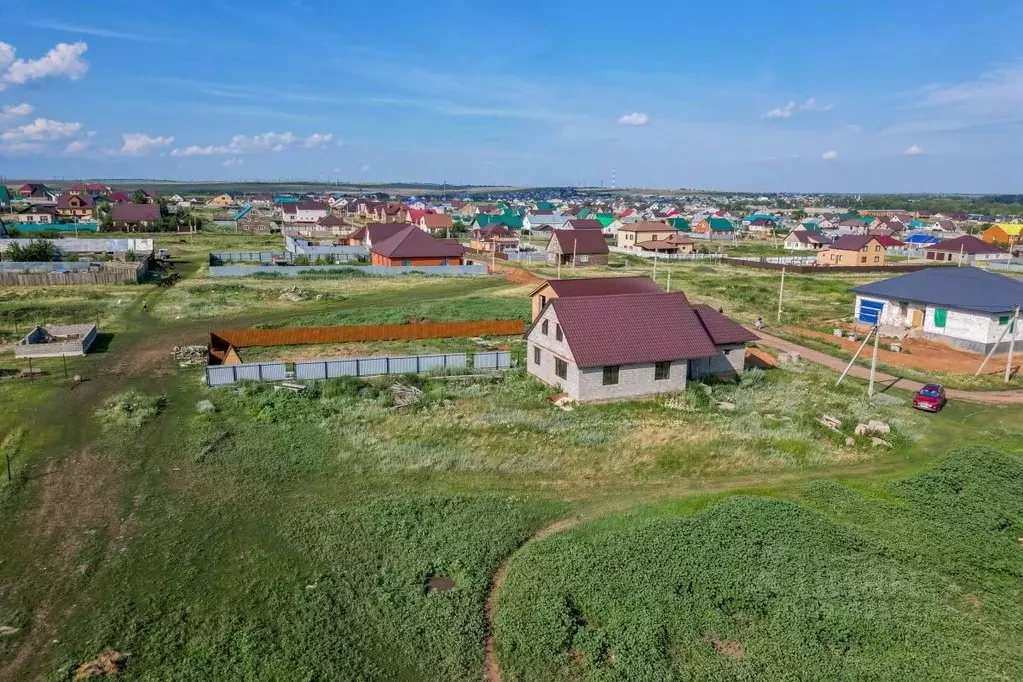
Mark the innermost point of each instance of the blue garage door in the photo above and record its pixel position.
(870, 311)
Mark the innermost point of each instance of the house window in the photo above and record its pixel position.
(443, 261)
(877, 248)
(940, 317)
(536, 355)
(557, 332)
(405, 262)
(545, 327)
(560, 368)
(877, 259)
(611, 375)
(662, 371)
(863, 259)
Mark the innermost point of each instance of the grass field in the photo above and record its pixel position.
(917, 579)
(328, 536)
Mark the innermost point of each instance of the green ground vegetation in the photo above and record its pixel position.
(917, 579)
(329, 535)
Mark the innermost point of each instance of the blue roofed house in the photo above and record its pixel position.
(966, 307)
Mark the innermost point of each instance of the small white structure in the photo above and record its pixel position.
(305, 212)
(56, 340)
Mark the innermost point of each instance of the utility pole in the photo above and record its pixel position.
(1012, 343)
(873, 362)
(669, 281)
(781, 293)
(961, 247)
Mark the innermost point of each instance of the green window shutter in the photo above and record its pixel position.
(940, 316)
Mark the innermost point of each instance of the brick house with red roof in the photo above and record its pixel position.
(631, 345)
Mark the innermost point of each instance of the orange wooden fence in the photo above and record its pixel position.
(296, 336)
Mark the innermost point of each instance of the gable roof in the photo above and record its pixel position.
(720, 225)
(968, 288)
(967, 244)
(330, 220)
(632, 328)
(852, 242)
(412, 242)
(379, 232)
(134, 213)
(64, 200)
(1011, 229)
(722, 329)
(580, 242)
(584, 224)
(646, 226)
(497, 231)
(437, 220)
(600, 286)
(808, 237)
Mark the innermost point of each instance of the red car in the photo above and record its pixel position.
(931, 398)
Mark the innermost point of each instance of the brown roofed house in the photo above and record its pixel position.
(436, 222)
(859, 250)
(631, 345)
(966, 249)
(577, 247)
(590, 286)
(632, 234)
(134, 216)
(413, 247)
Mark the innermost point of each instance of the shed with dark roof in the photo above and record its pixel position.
(966, 249)
(134, 215)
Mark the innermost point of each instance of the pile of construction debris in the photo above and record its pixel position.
(189, 356)
(405, 395)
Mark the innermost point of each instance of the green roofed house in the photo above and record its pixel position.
(544, 206)
(5, 195)
(584, 213)
(680, 224)
(510, 221)
(848, 216)
(714, 226)
(605, 219)
(810, 227)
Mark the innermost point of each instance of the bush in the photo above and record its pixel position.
(36, 251)
(130, 409)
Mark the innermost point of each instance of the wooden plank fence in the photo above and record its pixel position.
(222, 339)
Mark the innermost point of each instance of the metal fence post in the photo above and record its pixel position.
(358, 367)
(387, 365)
(417, 363)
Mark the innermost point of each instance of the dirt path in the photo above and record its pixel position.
(491, 667)
(887, 380)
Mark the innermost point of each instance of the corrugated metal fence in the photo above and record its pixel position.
(225, 375)
(297, 336)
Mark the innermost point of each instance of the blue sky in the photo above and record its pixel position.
(798, 96)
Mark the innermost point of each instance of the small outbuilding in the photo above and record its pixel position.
(578, 247)
(412, 246)
(56, 340)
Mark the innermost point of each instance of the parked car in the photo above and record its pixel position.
(931, 398)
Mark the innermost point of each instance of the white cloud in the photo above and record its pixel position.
(830, 155)
(365, 168)
(10, 111)
(793, 107)
(782, 112)
(316, 140)
(233, 161)
(246, 144)
(136, 144)
(20, 148)
(62, 60)
(41, 130)
(76, 146)
(634, 119)
(913, 151)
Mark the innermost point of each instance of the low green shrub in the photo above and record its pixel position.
(130, 409)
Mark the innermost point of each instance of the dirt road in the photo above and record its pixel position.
(886, 381)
